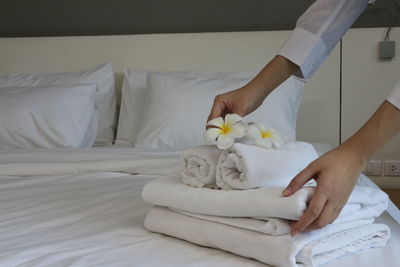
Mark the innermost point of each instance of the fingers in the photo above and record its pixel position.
(216, 110)
(297, 182)
(312, 212)
(326, 217)
(335, 214)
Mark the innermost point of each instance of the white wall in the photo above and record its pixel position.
(319, 114)
(366, 83)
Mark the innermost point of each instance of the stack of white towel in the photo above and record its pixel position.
(254, 221)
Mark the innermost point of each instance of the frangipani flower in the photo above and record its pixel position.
(226, 130)
(264, 137)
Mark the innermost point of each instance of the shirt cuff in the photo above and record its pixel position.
(306, 50)
(394, 96)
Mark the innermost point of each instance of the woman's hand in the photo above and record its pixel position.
(245, 100)
(241, 101)
(336, 173)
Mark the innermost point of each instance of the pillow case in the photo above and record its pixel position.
(92, 119)
(102, 76)
(177, 108)
(47, 117)
(134, 90)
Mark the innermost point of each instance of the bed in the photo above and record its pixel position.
(67, 216)
(82, 206)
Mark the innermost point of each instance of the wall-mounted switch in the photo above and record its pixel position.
(392, 168)
(374, 168)
(386, 50)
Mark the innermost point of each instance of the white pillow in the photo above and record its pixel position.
(177, 109)
(47, 117)
(93, 124)
(134, 90)
(102, 76)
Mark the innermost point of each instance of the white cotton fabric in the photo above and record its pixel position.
(262, 202)
(91, 133)
(102, 76)
(198, 165)
(306, 249)
(276, 226)
(47, 117)
(38, 162)
(269, 226)
(364, 202)
(62, 216)
(246, 166)
(134, 93)
(174, 116)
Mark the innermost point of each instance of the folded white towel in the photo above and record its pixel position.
(364, 202)
(247, 166)
(306, 249)
(261, 202)
(198, 165)
(269, 226)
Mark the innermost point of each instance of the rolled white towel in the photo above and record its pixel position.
(306, 249)
(246, 166)
(198, 165)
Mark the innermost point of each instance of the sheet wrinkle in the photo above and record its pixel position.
(134, 164)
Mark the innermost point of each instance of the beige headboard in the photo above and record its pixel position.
(319, 115)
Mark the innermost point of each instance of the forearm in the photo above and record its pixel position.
(376, 132)
(271, 76)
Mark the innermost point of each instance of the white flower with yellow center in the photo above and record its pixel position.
(225, 130)
(264, 137)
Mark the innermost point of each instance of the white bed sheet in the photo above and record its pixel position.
(83, 208)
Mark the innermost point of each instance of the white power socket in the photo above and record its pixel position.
(392, 168)
(373, 168)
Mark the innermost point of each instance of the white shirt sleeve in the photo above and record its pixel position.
(318, 30)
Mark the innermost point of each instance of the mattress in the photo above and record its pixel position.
(82, 207)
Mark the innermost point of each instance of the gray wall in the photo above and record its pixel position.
(105, 17)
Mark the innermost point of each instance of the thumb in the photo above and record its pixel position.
(216, 110)
(299, 180)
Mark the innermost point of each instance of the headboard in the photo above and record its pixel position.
(319, 115)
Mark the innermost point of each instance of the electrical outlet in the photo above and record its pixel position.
(374, 168)
(392, 168)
